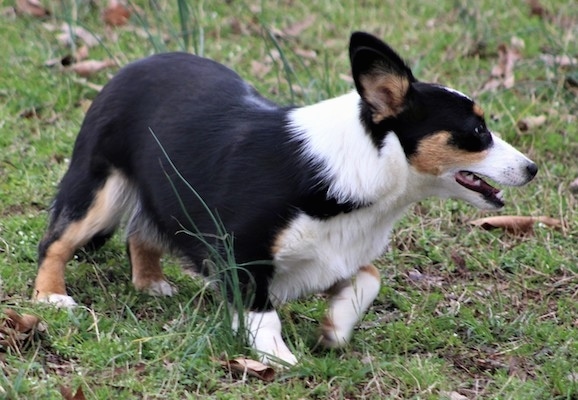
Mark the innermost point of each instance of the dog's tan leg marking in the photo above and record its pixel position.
(103, 214)
(147, 273)
(349, 301)
(49, 285)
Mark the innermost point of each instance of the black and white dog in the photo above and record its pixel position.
(308, 196)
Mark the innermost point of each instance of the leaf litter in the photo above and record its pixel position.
(502, 74)
(18, 331)
(516, 224)
(248, 367)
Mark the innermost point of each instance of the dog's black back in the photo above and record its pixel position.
(182, 129)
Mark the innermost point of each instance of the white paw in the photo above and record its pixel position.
(59, 300)
(264, 329)
(333, 336)
(332, 339)
(161, 288)
(280, 359)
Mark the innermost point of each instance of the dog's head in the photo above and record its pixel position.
(442, 131)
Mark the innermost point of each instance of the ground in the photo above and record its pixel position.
(464, 312)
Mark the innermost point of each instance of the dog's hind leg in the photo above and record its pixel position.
(144, 247)
(84, 209)
(349, 301)
(147, 273)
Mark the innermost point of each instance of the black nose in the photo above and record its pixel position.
(532, 170)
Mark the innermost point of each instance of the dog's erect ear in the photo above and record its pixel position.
(381, 77)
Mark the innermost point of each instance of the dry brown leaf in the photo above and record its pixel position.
(32, 7)
(531, 122)
(23, 323)
(16, 330)
(502, 74)
(246, 366)
(81, 53)
(67, 393)
(453, 396)
(312, 54)
(115, 14)
(515, 224)
(89, 67)
(558, 61)
(297, 28)
(69, 33)
(260, 69)
(424, 279)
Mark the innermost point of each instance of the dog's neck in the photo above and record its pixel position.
(333, 136)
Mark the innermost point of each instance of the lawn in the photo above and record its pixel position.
(463, 313)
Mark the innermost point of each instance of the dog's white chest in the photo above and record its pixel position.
(311, 255)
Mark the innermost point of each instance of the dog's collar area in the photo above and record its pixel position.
(471, 181)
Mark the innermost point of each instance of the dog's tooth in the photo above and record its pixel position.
(470, 177)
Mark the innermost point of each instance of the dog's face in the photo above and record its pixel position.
(442, 131)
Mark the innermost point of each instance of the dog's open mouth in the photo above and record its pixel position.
(473, 182)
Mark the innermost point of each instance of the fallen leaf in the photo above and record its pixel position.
(531, 122)
(67, 393)
(24, 323)
(89, 67)
(16, 330)
(69, 33)
(246, 366)
(260, 69)
(516, 224)
(115, 14)
(81, 53)
(502, 74)
(32, 7)
(90, 85)
(424, 279)
(559, 60)
(297, 28)
(453, 396)
(312, 54)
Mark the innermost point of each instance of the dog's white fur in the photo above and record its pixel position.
(313, 254)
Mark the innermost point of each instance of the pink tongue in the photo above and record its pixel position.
(479, 186)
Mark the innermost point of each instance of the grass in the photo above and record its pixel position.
(484, 314)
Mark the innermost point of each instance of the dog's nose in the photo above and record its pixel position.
(532, 170)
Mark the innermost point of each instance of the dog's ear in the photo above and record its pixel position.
(381, 77)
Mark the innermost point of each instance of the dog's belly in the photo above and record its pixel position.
(311, 255)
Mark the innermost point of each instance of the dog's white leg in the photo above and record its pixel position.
(264, 335)
(349, 301)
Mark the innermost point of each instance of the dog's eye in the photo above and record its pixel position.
(482, 134)
(480, 129)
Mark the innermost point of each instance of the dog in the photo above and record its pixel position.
(302, 199)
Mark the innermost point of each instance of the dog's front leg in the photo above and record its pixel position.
(264, 335)
(349, 301)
